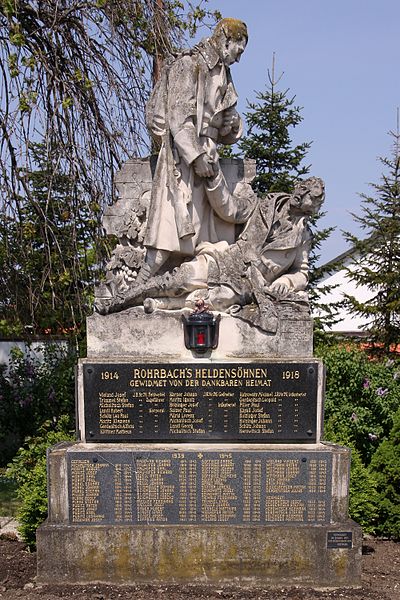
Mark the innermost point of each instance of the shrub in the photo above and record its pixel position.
(33, 391)
(8, 498)
(386, 467)
(363, 497)
(362, 396)
(28, 469)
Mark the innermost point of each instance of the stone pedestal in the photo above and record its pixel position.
(166, 513)
(159, 336)
(199, 468)
(253, 556)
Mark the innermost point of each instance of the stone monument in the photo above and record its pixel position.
(200, 404)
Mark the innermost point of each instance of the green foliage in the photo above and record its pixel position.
(269, 122)
(362, 396)
(325, 314)
(386, 465)
(34, 390)
(110, 42)
(376, 262)
(8, 496)
(363, 496)
(75, 81)
(51, 254)
(28, 469)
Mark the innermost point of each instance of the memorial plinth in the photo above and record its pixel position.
(199, 470)
(254, 514)
(127, 334)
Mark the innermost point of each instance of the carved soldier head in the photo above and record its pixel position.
(308, 196)
(229, 40)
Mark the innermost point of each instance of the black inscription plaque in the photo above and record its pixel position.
(339, 539)
(251, 401)
(237, 487)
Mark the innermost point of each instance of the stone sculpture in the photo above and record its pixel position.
(192, 109)
(267, 264)
(190, 231)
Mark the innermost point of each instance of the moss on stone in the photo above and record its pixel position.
(233, 28)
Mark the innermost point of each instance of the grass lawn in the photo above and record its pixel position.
(8, 499)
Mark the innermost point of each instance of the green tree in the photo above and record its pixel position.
(35, 390)
(325, 314)
(77, 75)
(269, 122)
(376, 262)
(363, 494)
(280, 165)
(51, 253)
(28, 470)
(362, 397)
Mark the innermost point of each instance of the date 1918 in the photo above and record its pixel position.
(291, 375)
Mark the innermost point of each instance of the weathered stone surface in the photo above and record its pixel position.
(325, 555)
(256, 278)
(190, 111)
(252, 556)
(127, 217)
(192, 234)
(159, 336)
(57, 473)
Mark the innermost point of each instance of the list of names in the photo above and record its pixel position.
(203, 487)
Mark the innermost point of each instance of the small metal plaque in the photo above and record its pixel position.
(220, 401)
(237, 487)
(339, 539)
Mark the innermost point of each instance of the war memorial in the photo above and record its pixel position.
(200, 405)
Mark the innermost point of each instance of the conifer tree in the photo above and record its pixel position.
(376, 261)
(325, 313)
(51, 253)
(268, 140)
(386, 468)
(280, 165)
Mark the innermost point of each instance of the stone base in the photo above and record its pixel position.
(247, 555)
(96, 533)
(159, 336)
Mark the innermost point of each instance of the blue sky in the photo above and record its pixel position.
(341, 60)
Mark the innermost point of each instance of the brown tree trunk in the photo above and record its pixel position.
(157, 59)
